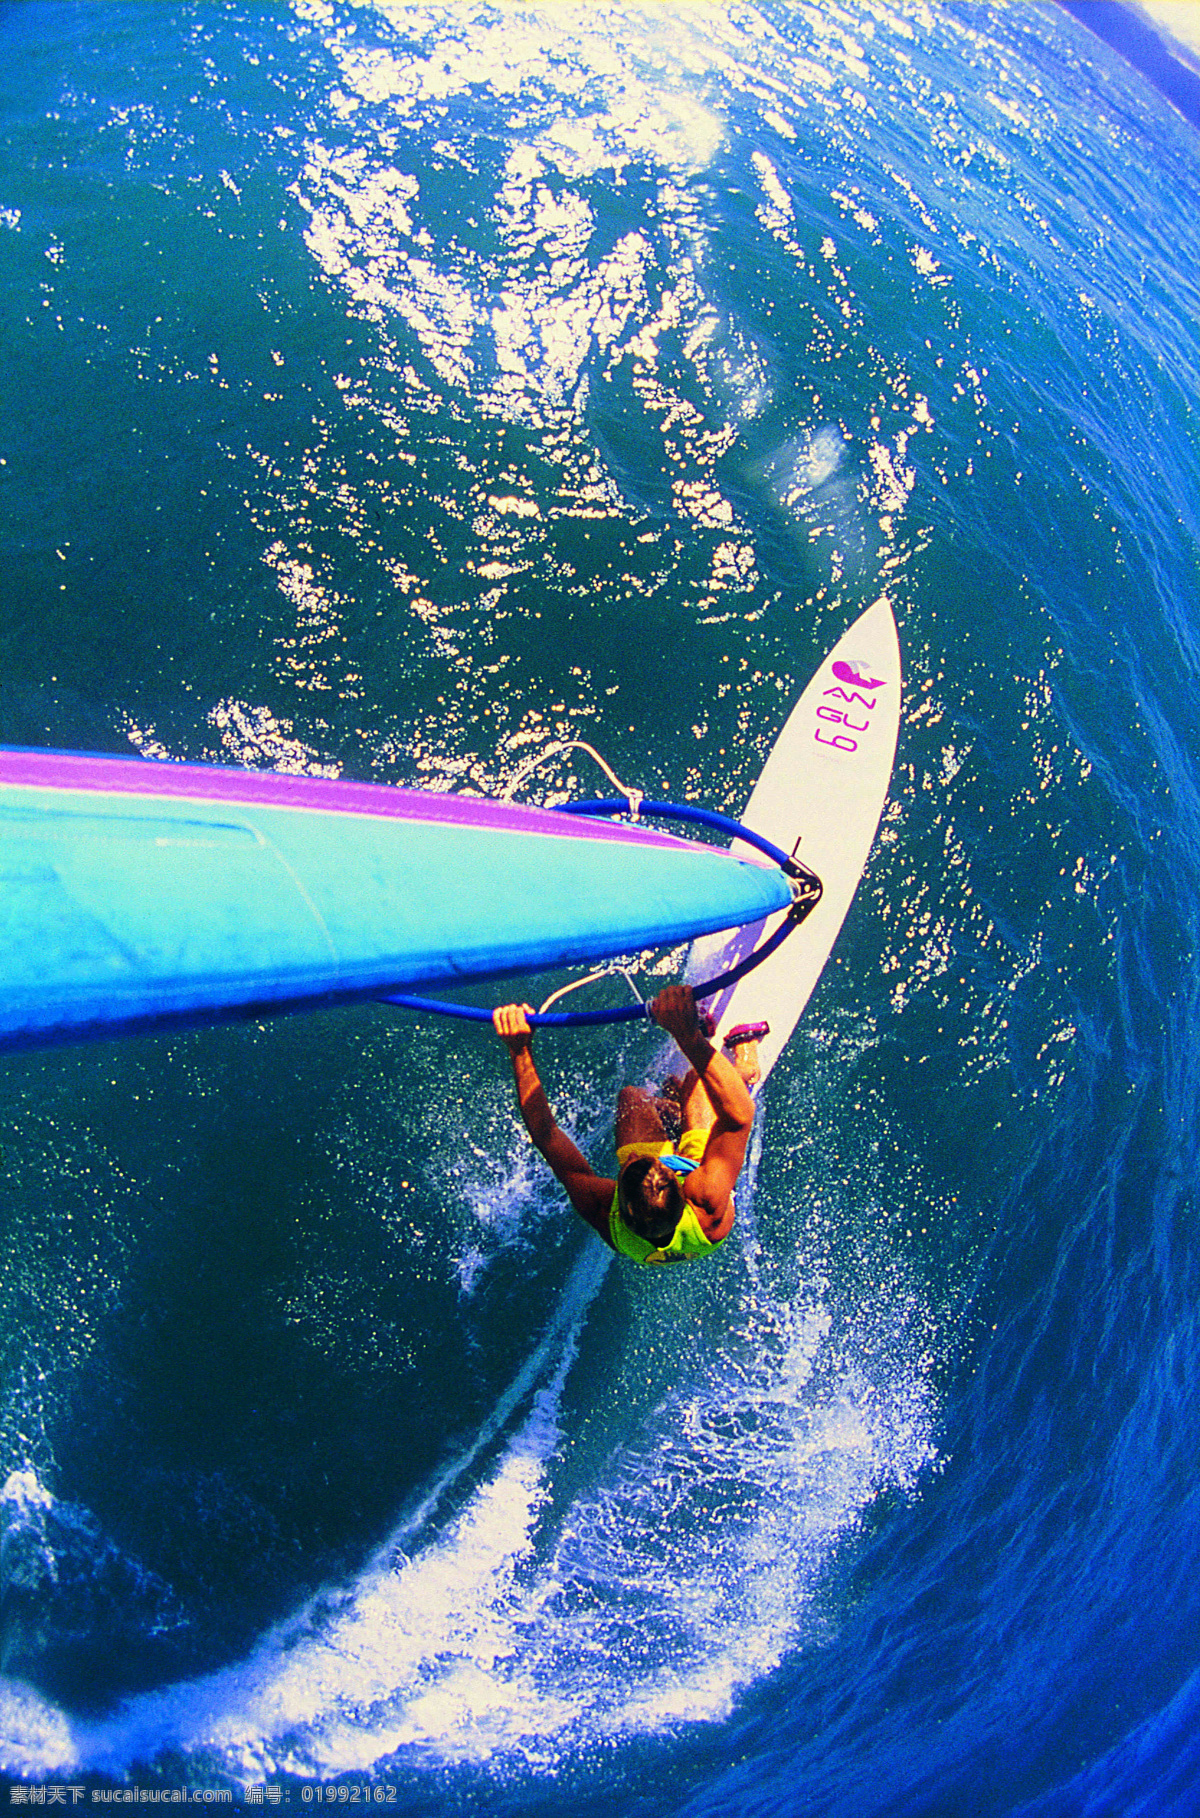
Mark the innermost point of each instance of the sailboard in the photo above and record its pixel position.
(820, 797)
(138, 894)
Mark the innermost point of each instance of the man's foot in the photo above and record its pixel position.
(741, 1044)
(744, 1056)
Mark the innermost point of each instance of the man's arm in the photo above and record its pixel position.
(587, 1191)
(710, 1186)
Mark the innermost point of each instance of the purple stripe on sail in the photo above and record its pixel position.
(134, 776)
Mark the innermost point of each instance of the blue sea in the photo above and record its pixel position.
(393, 392)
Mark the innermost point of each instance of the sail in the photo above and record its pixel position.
(137, 895)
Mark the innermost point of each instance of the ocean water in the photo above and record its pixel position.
(391, 392)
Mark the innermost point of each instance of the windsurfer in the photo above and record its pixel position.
(668, 1203)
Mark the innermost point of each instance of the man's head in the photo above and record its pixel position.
(650, 1199)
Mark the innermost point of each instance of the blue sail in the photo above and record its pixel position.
(138, 895)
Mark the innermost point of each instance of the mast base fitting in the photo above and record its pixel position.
(807, 890)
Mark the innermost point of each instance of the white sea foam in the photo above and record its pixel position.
(60, 1571)
(655, 1597)
(682, 1574)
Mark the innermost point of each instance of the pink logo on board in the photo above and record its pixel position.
(857, 688)
(846, 672)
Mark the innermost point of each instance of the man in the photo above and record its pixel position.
(665, 1205)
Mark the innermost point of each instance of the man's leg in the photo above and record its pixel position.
(638, 1119)
(696, 1108)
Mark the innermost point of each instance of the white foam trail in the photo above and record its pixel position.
(564, 1329)
(35, 1737)
(354, 1649)
(684, 1575)
(746, 1229)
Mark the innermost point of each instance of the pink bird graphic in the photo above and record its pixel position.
(846, 672)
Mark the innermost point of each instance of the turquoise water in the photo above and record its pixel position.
(392, 392)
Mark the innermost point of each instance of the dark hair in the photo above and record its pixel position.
(653, 1216)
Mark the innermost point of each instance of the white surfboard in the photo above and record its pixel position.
(820, 798)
